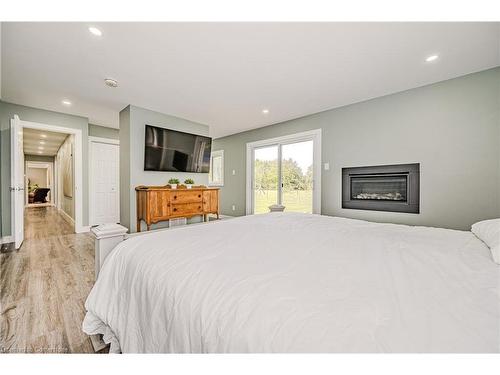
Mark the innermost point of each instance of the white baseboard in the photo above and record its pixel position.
(68, 218)
(48, 204)
(6, 239)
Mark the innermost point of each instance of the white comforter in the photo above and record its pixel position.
(298, 283)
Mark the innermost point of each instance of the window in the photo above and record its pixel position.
(285, 171)
(216, 175)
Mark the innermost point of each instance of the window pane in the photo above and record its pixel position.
(297, 176)
(265, 187)
(216, 175)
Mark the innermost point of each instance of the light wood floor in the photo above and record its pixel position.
(44, 286)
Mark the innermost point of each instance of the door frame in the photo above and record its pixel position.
(310, 135)
(78, 170)
(40, 165)
(15, 133)
(110, 141)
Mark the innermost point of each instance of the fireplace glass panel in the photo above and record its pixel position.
(386, 188)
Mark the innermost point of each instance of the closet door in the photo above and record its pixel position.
(105, 183)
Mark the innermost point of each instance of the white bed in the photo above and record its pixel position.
(298, 283)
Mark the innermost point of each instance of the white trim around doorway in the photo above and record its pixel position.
(78, 169)
(311, 135)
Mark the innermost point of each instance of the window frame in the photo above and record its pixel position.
(213, 155)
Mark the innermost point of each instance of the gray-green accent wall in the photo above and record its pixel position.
(103, 132)
(7, 111)
(132, 127)
(452, 128)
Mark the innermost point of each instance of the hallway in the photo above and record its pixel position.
(44, 286)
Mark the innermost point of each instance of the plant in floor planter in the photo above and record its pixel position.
(189, 182)
(173, 183)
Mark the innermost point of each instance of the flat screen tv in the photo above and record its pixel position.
(174, 151)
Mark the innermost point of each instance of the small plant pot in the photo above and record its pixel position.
(173, 186)
(189, 186)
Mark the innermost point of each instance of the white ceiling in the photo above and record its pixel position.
(38, 142)
(224, 74)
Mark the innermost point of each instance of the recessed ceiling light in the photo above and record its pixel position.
(40, 152)
(43, 135)
(42, 142)
(265, 111)
(66, 102)
(95, 31)
(111, 82)
(40, 147)
(432, 58)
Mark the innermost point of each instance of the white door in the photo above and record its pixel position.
(105, 182)
(17, 180)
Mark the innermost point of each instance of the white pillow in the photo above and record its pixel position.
(488, 231)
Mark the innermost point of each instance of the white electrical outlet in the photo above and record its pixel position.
(234, 172)
(233, 207)
(327, 166)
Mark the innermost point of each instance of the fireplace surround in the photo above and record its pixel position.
(393, 188)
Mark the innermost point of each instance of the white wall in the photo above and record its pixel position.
(37, 176)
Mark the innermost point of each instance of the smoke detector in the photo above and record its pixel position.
(111, 82)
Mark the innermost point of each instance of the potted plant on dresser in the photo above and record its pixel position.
(173, 183)
(189, 182)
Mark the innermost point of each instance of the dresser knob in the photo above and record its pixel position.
(199, 207)
(175, 209)
(175, 196)
(199, 195)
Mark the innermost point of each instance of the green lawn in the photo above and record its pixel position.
(295, 201)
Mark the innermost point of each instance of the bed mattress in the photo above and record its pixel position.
(289, 282)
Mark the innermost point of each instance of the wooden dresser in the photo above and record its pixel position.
(160, 203)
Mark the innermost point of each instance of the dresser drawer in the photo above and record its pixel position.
(180, 209)
(186, 197)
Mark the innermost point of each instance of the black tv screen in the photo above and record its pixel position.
(174, 151)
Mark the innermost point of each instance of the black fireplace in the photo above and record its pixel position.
(382, 188)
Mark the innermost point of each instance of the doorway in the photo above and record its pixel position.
(18, 194)
(39, 185)
(285, 171)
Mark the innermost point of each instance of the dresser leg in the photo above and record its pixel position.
(138, 225)
(149, 226)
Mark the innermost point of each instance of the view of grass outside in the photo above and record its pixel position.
(296, 173)
(296, 201)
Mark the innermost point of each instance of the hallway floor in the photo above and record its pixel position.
(44, 286)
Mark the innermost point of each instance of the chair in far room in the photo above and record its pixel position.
(41, 195)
